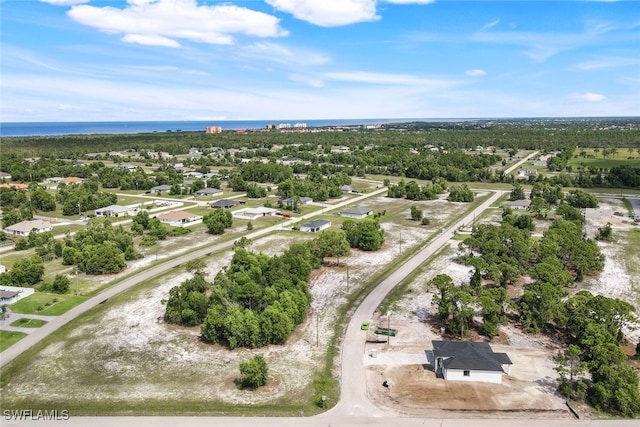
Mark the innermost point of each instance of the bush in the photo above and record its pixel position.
(254, 372)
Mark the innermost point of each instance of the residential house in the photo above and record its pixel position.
(254, 213)
(315, 226)
(357, 212)
(346, 189)
(5, 175)
(224, 204)
(519, 204)
(160, 189)
(25, 227)
(469, 361)
(301, 201)
(15, 186)
(12, 294)
(116, 211)
(72, 180)
(208, 192)
(179, 218)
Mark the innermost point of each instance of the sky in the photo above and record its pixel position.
(156, 60)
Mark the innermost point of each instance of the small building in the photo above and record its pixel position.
(15, 186)
(301, 201)
(469, 361)
(213, 129)
(315, 226)
(208, 192)
(24, 228)
(346, 189)
(72, 180)
(357, 212)
(254, 213)
(519, 204)
(527, 172)
(179, 218)
(160, 189)
(224, 204)
(13, 294)
(116, 211)
(5, 175)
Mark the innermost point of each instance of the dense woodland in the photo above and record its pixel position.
(593, 368)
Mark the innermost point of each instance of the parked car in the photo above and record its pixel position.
(365, 326)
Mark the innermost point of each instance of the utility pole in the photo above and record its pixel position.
(347, 278)
(388, 327)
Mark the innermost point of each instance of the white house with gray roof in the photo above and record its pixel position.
(469, 361)
(357, 212)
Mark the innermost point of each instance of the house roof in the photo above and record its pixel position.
(72, 180)
(209, 190)
(356, 211)
(316, 223)
(160, 188)
(27, 226)
(114, 208)
(523, 202)
(224, 203)
(176, 215)
(7, 294)
(469, 355)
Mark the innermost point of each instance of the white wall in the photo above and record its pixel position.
(476, 376)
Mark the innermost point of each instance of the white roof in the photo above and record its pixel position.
(27, 226)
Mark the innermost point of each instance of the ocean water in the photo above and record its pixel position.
(87, 128)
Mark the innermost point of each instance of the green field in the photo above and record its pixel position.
(595, 159)
(28, 323)
(8, 338)
(47, 304)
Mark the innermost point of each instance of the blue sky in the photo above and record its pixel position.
(103, 60)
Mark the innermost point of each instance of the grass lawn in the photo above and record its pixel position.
(28, 323)
(596, 160)
(47, 304)
(9, 338)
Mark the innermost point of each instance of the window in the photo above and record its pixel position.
(466, 373)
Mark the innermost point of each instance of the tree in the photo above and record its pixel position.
(254, 372)
(604, 233)
(366, 234)
(217, 221)
(60, 284)
(333, 244)
(416, 213)
(569, 366)
(460, 193)
(581, 199)
(25, 272)
(517, 193)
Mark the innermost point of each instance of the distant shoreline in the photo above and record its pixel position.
(46, 129)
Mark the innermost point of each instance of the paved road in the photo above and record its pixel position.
(36, 336)
(353, 394)
(314, 422)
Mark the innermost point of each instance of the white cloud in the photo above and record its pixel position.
(366, 77)
(150, 40)
(490, 25)
(274, 52)
(164, 22)
(65, 2)
(611, 62)
(589, 97)
(476, 72)
(329, 13)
